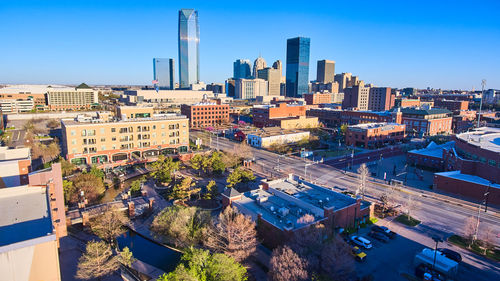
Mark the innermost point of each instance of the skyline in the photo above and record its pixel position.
(391, 44)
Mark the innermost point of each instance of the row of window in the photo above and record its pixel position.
(124, 130)
(93, 149)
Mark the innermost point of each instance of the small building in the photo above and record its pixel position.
(431, 156)
(263, 115)
(126, 112)
(206, 114)
(278, 205)
(268, 136)
(15, 165)
(373, 135)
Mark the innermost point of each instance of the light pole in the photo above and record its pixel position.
(352, 158)
(437, 240)
(479, 211)
(305, 169)
(483, 83)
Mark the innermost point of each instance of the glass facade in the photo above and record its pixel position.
(189, 39)
(241, 69)
(297, 66)
(163, 71)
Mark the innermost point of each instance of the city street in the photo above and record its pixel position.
(442, 215)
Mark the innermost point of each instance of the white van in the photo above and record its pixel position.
(362, 242)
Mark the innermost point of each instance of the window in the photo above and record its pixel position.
(103, 139)
(84, 133)
(113, 130)
(73, 132)
(73, 142)
(102, 131)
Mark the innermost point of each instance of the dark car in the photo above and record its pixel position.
(452, 255)
(384, 230)
(379, 236)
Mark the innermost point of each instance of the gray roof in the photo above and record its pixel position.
(408, 110)
(231, 192)
(24, 214)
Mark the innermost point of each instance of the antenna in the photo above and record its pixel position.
(483, 83)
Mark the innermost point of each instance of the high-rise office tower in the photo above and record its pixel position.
(325, 71)
(343, 80)
(273, 77)
(163, 72)
(297, 66)
(241, 69)
(258, 64)
(279, 66)
(189, 56)
(356, 97)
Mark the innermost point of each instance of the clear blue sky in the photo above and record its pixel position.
(440, 44)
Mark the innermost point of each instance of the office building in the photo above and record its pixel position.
(343, 80)
(325, 71)
(279, 66)
(164, 97)
(108, 143)
(241, 69)
(278, 205)
(297, 66)
(452, 105)
(333, 118)
(273, 78)
(250, 88)
(258, 64)
(16, 106)
(356, 97)
(230, 87)
(318, 98)
(374, 135)
(163, 72)
(331, 87)
(189, 40)
(380, 99)
(206, 114)
(427, 122)
(81, 97)
(216, 88)
(286, 116)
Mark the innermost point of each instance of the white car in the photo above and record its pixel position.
(362, 242)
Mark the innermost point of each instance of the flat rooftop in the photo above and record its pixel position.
(274, 131)
(487, 138)
(7, 154)
(312, 194)
(155, 117)
(25, 214)
(383, 126)
(469, 178)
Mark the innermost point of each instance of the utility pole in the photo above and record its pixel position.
(483, 83)
(437, 240)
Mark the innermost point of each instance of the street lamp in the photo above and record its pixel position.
(437, 240)
(485, 201)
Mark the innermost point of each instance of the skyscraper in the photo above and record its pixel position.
(241, 69)
(258, 64)
(163, 71)
(325, 71)
(273, 77)
(297, 66)
(189, 56)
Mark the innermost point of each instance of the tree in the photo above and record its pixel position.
(216, 164)
(470, 229)
(184, 190)
(92, 186)
(212, 191)
(410, 205)
(126, 257)
(163, 168)
(199, 264)
(46, 152)
(135, 186)
(200, 162)
(67, 168)
(183, 226)
(110, 224)
(286, 265)
(70, 192)
(239, 175)
(232, 234)
(363, 177)
(243, 150)
(96, 172)
(53, 124)
(343, 129)
(97, 261)
(489, 240)
(230, 160)
(335, 261)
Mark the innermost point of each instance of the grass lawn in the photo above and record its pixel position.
(409, 222)
(475, 248)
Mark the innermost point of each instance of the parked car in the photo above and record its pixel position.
(386, 231)
(362, 242)
(379, 236)
(452, 255)
(358, 254)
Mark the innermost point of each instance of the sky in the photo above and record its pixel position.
(439, 44)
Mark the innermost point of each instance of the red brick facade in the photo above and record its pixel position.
(452, 105)
(262, 115)
(376, 136)
(206, 115)
(318, 98)
(467, 189)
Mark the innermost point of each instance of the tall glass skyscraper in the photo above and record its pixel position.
(189, 56)
(163, 71)
(241, 69)
(297, 66)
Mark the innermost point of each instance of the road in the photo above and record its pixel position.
(441, 215)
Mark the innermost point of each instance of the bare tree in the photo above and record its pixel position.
(232, 234)
(470, 229)
(286, 265)
(110, 224)
(97, 261)
(410, 205)
(335, 260)
(243, 150)
(489, 239)
(306, 219)
(363, 177)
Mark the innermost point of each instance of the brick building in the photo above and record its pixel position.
(262, 114)
(380, 99)
(278, 205)
(318, 98)
(333, 118)
(373, 135)
(15, 165)
(452, 105)
(431, 156)
(426, 122)
(206, 114)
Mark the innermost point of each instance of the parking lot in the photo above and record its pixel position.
(388, 261)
